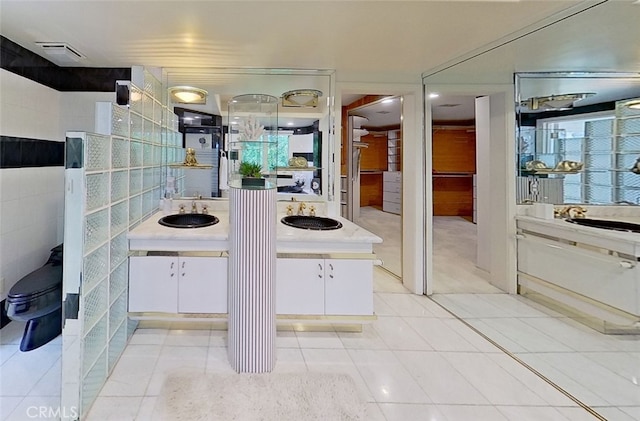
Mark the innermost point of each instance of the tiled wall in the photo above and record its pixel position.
(32, 197)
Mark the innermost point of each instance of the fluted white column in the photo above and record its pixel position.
(252, 268)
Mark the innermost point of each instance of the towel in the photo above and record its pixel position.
(223, 183)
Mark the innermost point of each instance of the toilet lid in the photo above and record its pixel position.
(40, 281)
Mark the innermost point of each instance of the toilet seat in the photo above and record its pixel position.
(37, 283)
(37, 300)
(37, 294)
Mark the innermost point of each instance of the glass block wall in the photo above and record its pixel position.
(122, 181)
(627, 151)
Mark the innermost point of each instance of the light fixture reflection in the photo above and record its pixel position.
(555, 102)
(188, 95)
(307, 98)
(635, 105)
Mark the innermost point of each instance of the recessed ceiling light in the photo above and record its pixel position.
(434, 95)
(290, 123)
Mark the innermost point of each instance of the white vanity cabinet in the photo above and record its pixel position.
(178, 284)
(348, 287)
(153, 284)
(610, 280)
(300, 286)
(324, 286)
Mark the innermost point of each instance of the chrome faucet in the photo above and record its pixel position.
(194, 207)
(301, 208)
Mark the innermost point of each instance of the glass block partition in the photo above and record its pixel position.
(114, 182)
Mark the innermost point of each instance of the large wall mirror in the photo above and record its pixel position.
(304, 127)
(587, 52)
(573, 145)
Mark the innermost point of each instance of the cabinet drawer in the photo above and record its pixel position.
(392, 197)
(391, 207)
(604, 278)
(392, 176)
(391, 187)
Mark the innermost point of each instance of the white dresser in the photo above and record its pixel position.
(392, 191)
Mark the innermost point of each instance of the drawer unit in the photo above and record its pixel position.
(391, 207)
(392, 191)
(392, 176)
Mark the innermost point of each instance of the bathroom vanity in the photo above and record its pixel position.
(182, 273)
(590, 272)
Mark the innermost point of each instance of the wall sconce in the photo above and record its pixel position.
(307, 98)
(188, 95)
(554, 102)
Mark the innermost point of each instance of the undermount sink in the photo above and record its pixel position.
(188, 220)
(317, 223)
(605, 224)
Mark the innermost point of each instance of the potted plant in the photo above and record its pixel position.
(251, 174)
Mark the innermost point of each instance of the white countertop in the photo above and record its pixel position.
(152, 236)
(620, 241)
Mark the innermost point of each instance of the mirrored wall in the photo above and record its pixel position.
(305, 139)
(575, 142)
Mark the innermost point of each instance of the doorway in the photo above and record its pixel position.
(371, 171)
(454, 183)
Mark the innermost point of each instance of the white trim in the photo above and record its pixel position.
(502, 185)
(413, 206)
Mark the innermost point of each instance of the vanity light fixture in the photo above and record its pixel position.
(188, 95)
(554, 102)
(307, 98)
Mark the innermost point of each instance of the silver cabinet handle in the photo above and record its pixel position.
(319, 270)
(331, 273)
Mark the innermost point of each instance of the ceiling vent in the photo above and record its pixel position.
(60, 52)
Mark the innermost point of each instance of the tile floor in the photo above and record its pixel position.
(27, 379)
(417, 361)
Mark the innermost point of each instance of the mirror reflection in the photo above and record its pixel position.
(304, 141)
(573, 145)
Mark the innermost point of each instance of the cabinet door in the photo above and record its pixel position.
(348, 287)
(202, 285)
(300, 286)
(153, 284)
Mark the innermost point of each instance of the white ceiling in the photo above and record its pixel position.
(363, 41)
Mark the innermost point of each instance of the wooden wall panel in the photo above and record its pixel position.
(453, 196)
(375, 156)
(454, 161)
(371, 189)
(454, 150)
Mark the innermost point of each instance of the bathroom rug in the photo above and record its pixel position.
(260, 397)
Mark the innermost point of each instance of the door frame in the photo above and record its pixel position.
(496, 208)
(413, 170)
